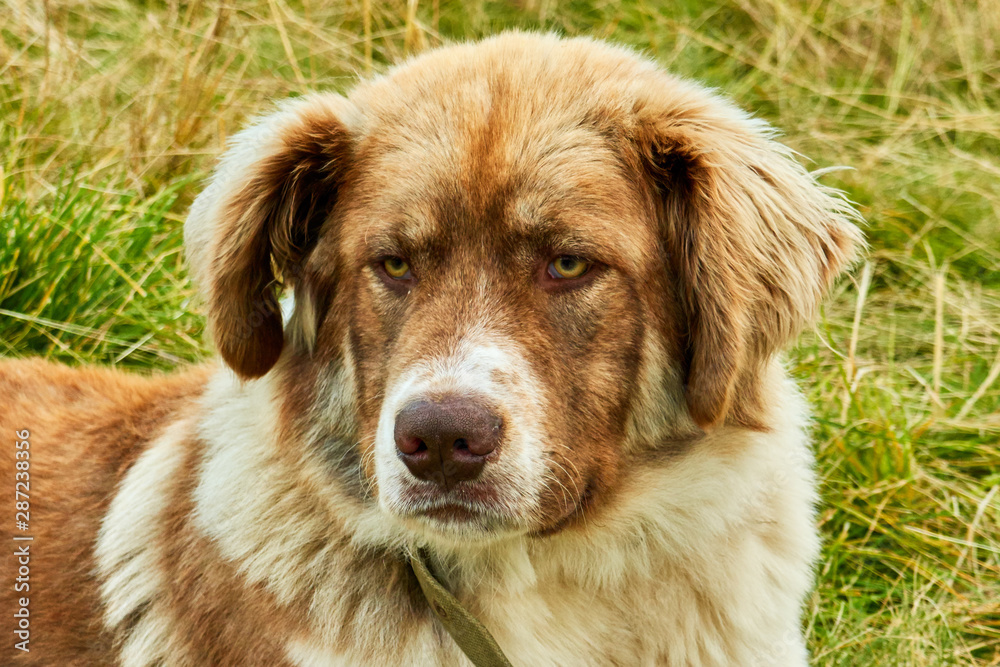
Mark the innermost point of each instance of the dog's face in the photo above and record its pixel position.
(536, 258)
(497, 314)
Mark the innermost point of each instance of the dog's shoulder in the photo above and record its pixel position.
(82, 416)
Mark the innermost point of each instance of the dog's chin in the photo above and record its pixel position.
(458, 526)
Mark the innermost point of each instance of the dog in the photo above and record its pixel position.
(538, 290)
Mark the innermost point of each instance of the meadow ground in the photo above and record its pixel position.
(111, 112)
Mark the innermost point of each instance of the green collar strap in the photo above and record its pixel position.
(471, 636)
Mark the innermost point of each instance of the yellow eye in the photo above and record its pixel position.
(397, 268)
(567, 267)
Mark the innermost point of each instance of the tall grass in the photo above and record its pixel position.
(111, 110)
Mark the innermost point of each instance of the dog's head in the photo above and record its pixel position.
(529, 261)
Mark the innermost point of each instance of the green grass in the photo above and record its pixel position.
(93, 273)
(111, 111)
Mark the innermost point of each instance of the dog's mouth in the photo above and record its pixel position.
(479, 508)
(468, 507)
(462, 503)
(469, 494)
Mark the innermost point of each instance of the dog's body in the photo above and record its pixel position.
(540, 287)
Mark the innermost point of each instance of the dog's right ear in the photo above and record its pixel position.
(250, 231)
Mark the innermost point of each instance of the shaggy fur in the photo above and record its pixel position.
(651, 501)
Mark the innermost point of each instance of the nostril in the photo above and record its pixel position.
(461, 445)
(411, 446)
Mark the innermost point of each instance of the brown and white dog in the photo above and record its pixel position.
(540, 291)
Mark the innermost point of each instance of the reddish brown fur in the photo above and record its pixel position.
(270, 224)
(86, 428)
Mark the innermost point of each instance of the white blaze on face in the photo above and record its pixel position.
(489, 369)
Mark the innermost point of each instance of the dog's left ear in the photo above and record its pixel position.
(250, 231)
(752, 239)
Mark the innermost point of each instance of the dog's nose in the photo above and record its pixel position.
(446, 441)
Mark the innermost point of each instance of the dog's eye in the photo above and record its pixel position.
(397, 268)
(567, 267)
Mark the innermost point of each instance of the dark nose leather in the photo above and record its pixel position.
(446, 441)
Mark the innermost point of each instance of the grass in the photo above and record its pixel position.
(111, 111)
